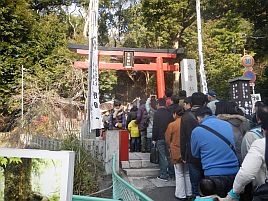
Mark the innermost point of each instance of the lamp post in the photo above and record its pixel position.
(203, 79)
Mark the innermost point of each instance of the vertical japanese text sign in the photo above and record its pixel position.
(95, 113)
(188, 76)
(128, 59)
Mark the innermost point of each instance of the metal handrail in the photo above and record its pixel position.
(138, 193)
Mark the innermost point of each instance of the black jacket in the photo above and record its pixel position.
(188, 123)
(142, 116)
(172, 108)
(162, 117)
(132, 115)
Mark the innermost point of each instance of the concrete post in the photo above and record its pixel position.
(111, 146)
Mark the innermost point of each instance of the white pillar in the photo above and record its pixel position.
(111, 147)
(203, 80)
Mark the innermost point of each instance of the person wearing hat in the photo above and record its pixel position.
(212, 100)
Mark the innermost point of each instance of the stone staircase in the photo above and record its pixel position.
(139, 165)
(141, 174)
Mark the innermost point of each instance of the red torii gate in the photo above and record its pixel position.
(157, 54)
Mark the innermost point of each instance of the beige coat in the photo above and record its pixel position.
(240, 126)
(253, 167)
(172, 136)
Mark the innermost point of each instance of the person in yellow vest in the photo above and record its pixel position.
(133, 129)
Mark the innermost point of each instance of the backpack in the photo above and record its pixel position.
(146, 122)
(261, 192)
(257, 131)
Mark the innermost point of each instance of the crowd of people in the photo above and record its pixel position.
(211, 147)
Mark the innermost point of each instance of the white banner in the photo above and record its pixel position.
(188, 76)
(95, 113)
(254, 99)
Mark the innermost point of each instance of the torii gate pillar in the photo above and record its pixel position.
(160, 78)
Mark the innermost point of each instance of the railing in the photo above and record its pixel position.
(122, 190)
(85, 198)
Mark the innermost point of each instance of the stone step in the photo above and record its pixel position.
(146, 183)
(139, 156)
(144, 172)
(138, 164)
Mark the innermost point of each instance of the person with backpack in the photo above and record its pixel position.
(253, 134)
(254, 167)
(213, 142)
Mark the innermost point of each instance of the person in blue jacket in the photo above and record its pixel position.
(218, 160)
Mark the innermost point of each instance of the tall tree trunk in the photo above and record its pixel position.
(18, 180)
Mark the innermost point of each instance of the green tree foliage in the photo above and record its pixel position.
(39, 42)
(15, 25)
(223, 48)
(35, 34)
(165, 24)
(137, 35)
(17, 175)
(256, 12)
(104, 16)
(167, 20)
(47, 53)
(107, 81)
(262, 82)
(4, 161)
(173, 23)
(49, 6)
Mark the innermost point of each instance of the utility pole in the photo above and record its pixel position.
(22, 93)
(203, 80)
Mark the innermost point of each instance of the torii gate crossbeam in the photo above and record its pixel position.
(157, 54)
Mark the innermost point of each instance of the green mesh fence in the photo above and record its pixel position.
(123, 190)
